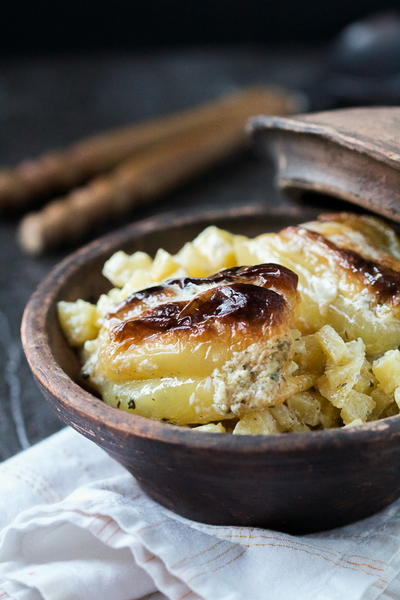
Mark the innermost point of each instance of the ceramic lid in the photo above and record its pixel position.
(352, 154)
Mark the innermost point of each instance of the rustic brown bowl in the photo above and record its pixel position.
(296, 482)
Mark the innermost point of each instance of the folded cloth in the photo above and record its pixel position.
(75, 525)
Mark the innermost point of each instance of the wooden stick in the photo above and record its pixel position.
(134, 182)
(62, 170)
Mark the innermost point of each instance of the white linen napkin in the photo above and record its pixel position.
(74, 525)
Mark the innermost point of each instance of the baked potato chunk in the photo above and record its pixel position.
(349, 275)
(194, 350)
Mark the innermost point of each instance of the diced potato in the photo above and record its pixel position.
(193, 261)
(308, 354)
(106, 304)
(217, 246)
(139, 280)
(332, 344)
(357, 406)
(120, 267)
(287, 419)
(298, 383)
(78, 321)
(211, 428)
(259, 422)
(244, 254)
(89, 352)
(366, 381)
(306, 407)
(164, 265)
(382, 402)
(339, 379)
(330, 415)
(387, 371)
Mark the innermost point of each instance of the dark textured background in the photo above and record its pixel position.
(48, 102)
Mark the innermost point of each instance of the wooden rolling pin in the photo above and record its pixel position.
(134, 182)
(62, 170)
(150, 173)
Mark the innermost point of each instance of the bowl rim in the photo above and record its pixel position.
(84, 405)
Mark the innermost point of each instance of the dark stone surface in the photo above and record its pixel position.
(49, 102)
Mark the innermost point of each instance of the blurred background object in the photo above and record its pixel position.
(72, 70)
(131, 166)
(364, 62)
(132, 25)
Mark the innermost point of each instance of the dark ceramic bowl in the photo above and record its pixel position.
(296, 482)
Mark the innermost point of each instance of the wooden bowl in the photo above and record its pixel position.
(296, 482)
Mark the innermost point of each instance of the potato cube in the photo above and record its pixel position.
(287, 419)
(257, 423)
(306, 407)
(78, 321)
(382, 402)
(298, 383)
(120, 267)
(139, 280)
(332, 344)
(357, 406)
(366, 381)
(217, 246)
(211, 428)
(387, 371)
(107, 303)
(330, 415)
(308, 354)
(193, 261)
(164, 265)
(339, 379)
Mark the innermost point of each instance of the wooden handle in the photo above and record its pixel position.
(62, 170)
(134, 182)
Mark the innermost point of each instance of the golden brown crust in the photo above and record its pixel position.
(237, 301)
(382, 280)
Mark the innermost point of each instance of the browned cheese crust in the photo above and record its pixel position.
(381, 280)
(246, 302)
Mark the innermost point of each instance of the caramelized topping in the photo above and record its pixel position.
(265, 275)
(242, 299)
(243, 304)
(379, 278)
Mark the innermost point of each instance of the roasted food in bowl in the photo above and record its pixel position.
(309, 341)
(327, 476)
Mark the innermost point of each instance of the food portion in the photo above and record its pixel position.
(349, 275)
(285, 332)
(192, 350)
